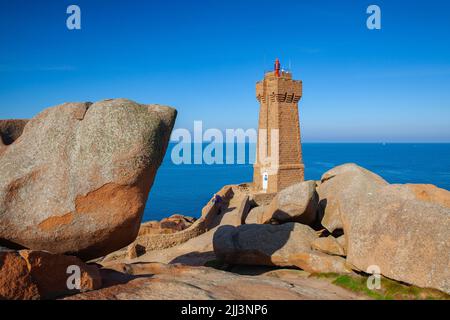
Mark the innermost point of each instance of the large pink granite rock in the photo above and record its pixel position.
(340, 186)
(404, 230)
(297, 203)
(285, 245)
(408, 239)
(77, 179)
(10, 131)
(31, 275)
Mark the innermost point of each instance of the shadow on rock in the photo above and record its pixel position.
(251, 244)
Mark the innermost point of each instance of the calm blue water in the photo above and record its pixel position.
(186, 189)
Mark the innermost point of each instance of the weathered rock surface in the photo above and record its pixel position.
(10, 131)
(77, 179)
(408, 239)
(177, 282)
(255, 216)
(430, 193)
(153, 232)
(286, 245)
(15, 280)
(34, 275)
(193, 245)
(172, 224)
(177, 222)
(343, 186)
(318, 262)
(342, 242)
(402, 229)
(297, 203)
(329, 245)
(195, 252)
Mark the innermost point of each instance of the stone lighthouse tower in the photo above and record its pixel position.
(279, 161)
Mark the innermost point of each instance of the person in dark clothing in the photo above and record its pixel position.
(217, 201)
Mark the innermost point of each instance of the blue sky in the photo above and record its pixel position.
(204, 57)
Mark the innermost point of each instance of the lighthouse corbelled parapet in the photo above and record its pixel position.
(279, 161)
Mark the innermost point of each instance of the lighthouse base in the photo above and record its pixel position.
(270, 180)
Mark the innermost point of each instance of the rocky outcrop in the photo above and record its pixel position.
(157, 242)
(213, 209)
(401, 229)
(159, 235)
(297, 203)
(364, 230)
(262, 244)
(408, 239)
(318, 262)
(151, 241)
(255, 215)
(172, 224)
(430, 193)
(16, 282)
(155, 281)
(345, 186)
(286, 245)
(10, 131)
(77, 179)
(243, 210)
(177, 222)
(329, 245)
(30, 275)
(194, 252)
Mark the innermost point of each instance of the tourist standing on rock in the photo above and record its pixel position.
(217, 200)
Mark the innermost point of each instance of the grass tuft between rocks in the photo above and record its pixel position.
(390, 289)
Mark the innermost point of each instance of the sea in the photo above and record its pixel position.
(185, 188)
